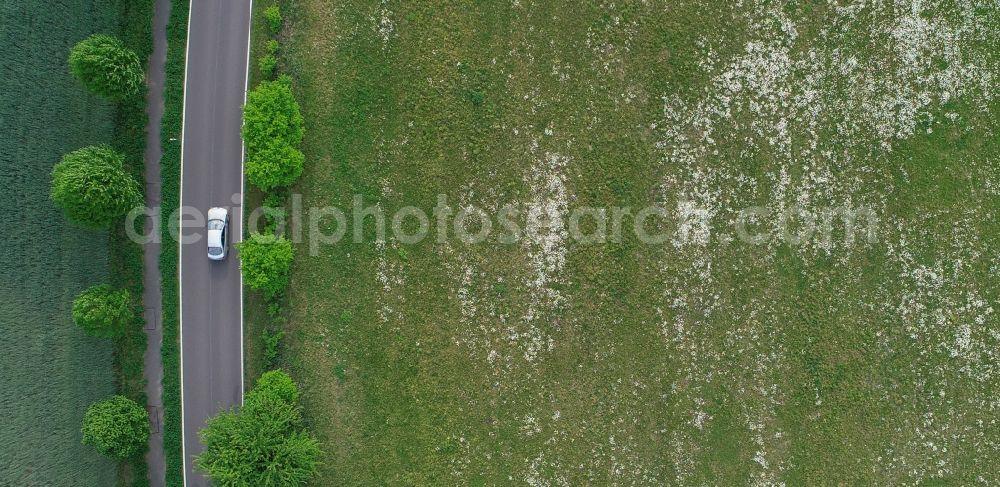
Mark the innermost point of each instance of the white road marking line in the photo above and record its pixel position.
(180, 248)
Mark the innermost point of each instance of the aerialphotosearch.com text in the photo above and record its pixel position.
(679, 224)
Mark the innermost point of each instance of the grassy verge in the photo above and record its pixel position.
(265, 319)
(256, 320)
(125, 260)
(170, 167)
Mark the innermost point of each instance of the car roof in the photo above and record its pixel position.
(217, 213)
(215, 238)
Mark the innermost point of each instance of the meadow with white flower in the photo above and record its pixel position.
(700, 361)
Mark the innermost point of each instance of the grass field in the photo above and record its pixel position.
(51, 370)
(698, 361)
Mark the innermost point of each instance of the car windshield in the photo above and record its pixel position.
(216, 224)
(215, 251)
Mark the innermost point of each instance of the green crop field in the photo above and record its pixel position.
(50, 370)
(704, 359)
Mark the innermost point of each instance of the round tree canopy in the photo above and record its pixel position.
(92, 187)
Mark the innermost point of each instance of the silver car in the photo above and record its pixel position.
(218, 233)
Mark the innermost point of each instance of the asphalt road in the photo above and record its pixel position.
(212, 175)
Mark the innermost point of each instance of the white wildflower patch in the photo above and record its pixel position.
(530, 426)
(784, 99)
(546, 227)
(535, 477)
(795, 106)
(694, 225)
(546, 249)
(390, 277)
(489, 331)
(384, 24)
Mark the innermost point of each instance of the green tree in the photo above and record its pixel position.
(92, 187)
(118, 427)
(267, 64)
(275, 383)
(263, 444)
(106, 67)
(265, 261)
(272, 15)
(274, 164)
(272, 47)
(273, 128)
(103, 311)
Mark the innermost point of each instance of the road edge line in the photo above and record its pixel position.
(180, 247)
(243, 200)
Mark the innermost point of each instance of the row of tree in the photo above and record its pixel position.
(273, 128)
(91, 184)
(94, 190)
